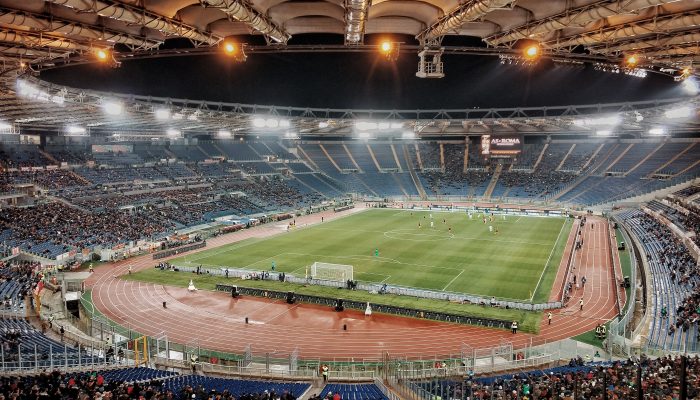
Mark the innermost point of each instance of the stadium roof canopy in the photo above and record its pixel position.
(663, 35)
(34, 104)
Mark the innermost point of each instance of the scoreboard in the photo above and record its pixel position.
(501, 146)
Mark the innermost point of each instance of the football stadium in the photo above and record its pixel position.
(349, 199)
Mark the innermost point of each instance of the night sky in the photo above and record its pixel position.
(364, 80)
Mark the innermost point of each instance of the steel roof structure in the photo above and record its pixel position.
(34, 104)
(664, 35)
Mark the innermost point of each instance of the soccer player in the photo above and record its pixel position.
(376, 252)
(491, 228)
(418, 224)
(274, 265)
(431, 224)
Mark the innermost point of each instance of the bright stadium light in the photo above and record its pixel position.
(408, 135)
(4, 126)
(162, 113)
(259, 122)
(632, 61)
(113, 107)
(383, 125)
(272, 122)
(75, 129)
(678, 113)
(364, 135)
(224, 134)
(390, 50)
(610, 120)
(58, 100)
(284, 123)
(172, 132)
(102, 55)
(531, 52)
(657, 131)
(604, 132)
(323, 124)
(234, 50)
(690, 86)
(365, 125)
(396, 125)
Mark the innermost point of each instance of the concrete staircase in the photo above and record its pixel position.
(352, 158)
(494, 181)
(396, 158)
(329, 157)
(412, 172)
(539, 159)
(308, 159)
(563, 160)
(651, 153)
(374, 158)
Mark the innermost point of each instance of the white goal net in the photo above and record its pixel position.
(331, 272)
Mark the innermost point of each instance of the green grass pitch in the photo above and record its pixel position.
(518, 262)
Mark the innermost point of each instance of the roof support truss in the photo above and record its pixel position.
(139, 16)
(468, 11)
(240, 10)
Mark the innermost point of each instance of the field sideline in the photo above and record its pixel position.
(519, 262)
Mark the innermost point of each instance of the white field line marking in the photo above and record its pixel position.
(453, 279)
(548, 259)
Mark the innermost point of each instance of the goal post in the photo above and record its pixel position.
(331, 272)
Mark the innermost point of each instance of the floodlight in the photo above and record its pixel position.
(113, 107)
(75, 129)
(386, 47)
(272, 123)
(284, 123)
(102, 54)
(224, 134)
(657, 131)
(531, 52)
(408, 135)
(4, 126)
(677, 113)
(162, 113)
(604, 132)
(690, 86)
(632, 60)
(172, 132)
(323, 124)
(259, 122)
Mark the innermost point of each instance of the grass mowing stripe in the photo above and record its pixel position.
(507, 264)
(548, 259)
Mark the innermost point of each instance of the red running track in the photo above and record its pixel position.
(216, 320)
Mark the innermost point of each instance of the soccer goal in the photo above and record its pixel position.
(331, 272)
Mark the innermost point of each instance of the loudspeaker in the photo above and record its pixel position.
(234, 292)
(339, 305)
(290, 298)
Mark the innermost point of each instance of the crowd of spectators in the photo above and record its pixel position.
(676, 259)
(97, 385)
(660, 380)
(70, 227)
(17, 279)
(45, 178)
